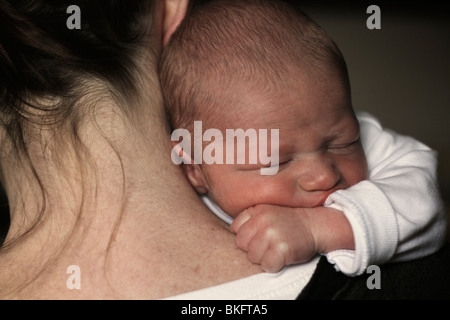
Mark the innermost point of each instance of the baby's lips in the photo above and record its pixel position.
(321, 198)
(327, 194)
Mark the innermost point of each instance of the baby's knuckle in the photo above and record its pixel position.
(282, 247)
(272, 234)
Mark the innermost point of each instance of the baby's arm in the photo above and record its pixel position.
(397, 214)
(275, 236)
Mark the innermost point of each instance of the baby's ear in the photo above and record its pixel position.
(195, 176)
(174, 13)
(192, 171)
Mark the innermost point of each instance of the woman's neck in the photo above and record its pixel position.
(118, 209)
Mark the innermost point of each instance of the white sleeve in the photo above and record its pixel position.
(397, 214)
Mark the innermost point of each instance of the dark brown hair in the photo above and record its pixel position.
(40, 57)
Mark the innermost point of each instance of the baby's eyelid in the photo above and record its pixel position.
(280, 163)
(343, 145)
(284, 161)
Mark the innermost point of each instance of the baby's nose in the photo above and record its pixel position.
(319, 175)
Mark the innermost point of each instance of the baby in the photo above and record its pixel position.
(264, 65)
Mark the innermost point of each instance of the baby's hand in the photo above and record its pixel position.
(275, 236)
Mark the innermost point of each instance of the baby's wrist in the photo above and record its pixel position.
(330, 229)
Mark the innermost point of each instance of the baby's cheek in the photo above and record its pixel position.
(275, 192)
(237, 197)
(356, 173)
(360, 165)
(233, 202)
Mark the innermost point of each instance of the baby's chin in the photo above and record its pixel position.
(232, 212)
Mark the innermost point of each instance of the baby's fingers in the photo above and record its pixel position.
(242, 218)
(274, 258)
(264, 249)
(257, 248)
(245, 235)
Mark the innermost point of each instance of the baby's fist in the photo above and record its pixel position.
(274, 236)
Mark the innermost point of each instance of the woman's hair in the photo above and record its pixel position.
(41, 58)
(248, 41)
(46, 69)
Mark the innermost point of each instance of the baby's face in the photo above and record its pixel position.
(319, 147)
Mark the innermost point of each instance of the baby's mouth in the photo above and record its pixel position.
(322, 197)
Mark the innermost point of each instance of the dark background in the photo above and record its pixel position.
(400, 74)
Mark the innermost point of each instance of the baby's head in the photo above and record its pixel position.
(257, 64)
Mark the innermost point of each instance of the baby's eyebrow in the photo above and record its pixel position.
(348, 127)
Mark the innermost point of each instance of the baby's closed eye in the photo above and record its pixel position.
(342, 147)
